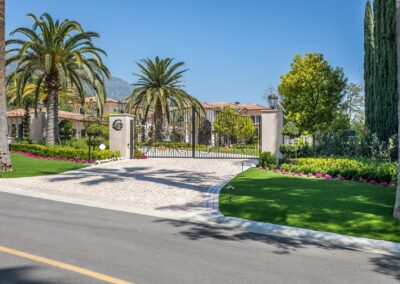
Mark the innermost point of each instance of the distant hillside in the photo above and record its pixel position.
(116, 87)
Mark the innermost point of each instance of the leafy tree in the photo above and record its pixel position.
(5, 161)
(354, 106)
(291, 130)
(55, 55)
(311, 92)
(159, 90)
(66, 130)
(205, 131)
(26, 121)
(97, 132)
(231, 124)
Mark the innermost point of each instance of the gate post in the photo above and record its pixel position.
(271, 131)
(121, 134)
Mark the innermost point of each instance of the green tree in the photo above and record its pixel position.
(66, 130)
(5, 161)
(354, 106)
(231, 124)
(311, 92)
(369, 65)
(384, 118)
(160, 90)
(396, 211)
(291, 130)
(56, 55)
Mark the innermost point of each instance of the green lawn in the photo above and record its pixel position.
(26, 167)
(348, 208)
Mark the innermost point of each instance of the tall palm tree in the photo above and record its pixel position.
(158, 90)
(396, 212)
(5, 159)
(57, 55)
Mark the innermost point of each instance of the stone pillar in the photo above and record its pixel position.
(271, 131)
(120, 134)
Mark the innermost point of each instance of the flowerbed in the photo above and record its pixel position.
(30, 155)
(370, 171)
(58, 152)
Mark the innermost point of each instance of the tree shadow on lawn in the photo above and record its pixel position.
(185, 179)
(384, 264)
(341, 207)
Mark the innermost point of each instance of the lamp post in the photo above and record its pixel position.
(121, 106)
(273, 100)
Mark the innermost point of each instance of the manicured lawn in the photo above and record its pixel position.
(348, 208)
(26, 167)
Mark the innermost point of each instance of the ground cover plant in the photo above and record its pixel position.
(24, 166)
(344, 207)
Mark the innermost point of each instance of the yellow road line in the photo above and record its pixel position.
(64, 266)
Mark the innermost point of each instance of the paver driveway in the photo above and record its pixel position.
(159, 187)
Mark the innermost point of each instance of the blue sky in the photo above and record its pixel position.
(235, 49)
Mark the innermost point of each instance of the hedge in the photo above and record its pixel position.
(352, 169)
(62, 152)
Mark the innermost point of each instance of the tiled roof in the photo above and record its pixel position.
(61, 114)
(234, 105)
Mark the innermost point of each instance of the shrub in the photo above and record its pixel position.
(62, 152)
(360, 170)
(288, 150)
(267, 160)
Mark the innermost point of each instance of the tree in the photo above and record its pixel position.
(66, 130)
(369, 65)
(57, 55)
(160, 90)
(5, 158)
(311, 92)
(291, 130)
(231, 124)
(384, 117)
(396, 211)
(354, 105)
(26, 121)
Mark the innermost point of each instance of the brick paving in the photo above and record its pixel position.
(154, 186)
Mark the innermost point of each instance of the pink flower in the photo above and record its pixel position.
(372, 181)
(319, 175)
(327, 177)
(385, 183)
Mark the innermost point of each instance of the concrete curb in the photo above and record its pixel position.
(211, 202)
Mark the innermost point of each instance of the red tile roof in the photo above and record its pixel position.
(61, 114)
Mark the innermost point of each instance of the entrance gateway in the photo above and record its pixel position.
(188, 133)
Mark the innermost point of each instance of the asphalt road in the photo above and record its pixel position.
(144, 249)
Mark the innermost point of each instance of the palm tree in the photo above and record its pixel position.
(396, 212)
(5, 159)
(57, 56)
(160, 90)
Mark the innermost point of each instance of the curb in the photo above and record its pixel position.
(211, 203)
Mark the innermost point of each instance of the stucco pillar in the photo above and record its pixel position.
(271, 131)
(120, 134)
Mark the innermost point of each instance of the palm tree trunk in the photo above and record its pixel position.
(158, 121)
(396, 212)
(57, 138)
(5, 158)
(50, 130)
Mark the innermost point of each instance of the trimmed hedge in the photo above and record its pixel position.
(352, 169)
(62, 152)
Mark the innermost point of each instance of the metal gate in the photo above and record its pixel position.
(191, 133)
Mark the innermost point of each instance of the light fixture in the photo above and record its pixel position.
(121, 106)
(273, 100)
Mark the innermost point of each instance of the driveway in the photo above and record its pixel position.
(164, 187)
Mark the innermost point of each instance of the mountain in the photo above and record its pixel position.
(117, 88)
